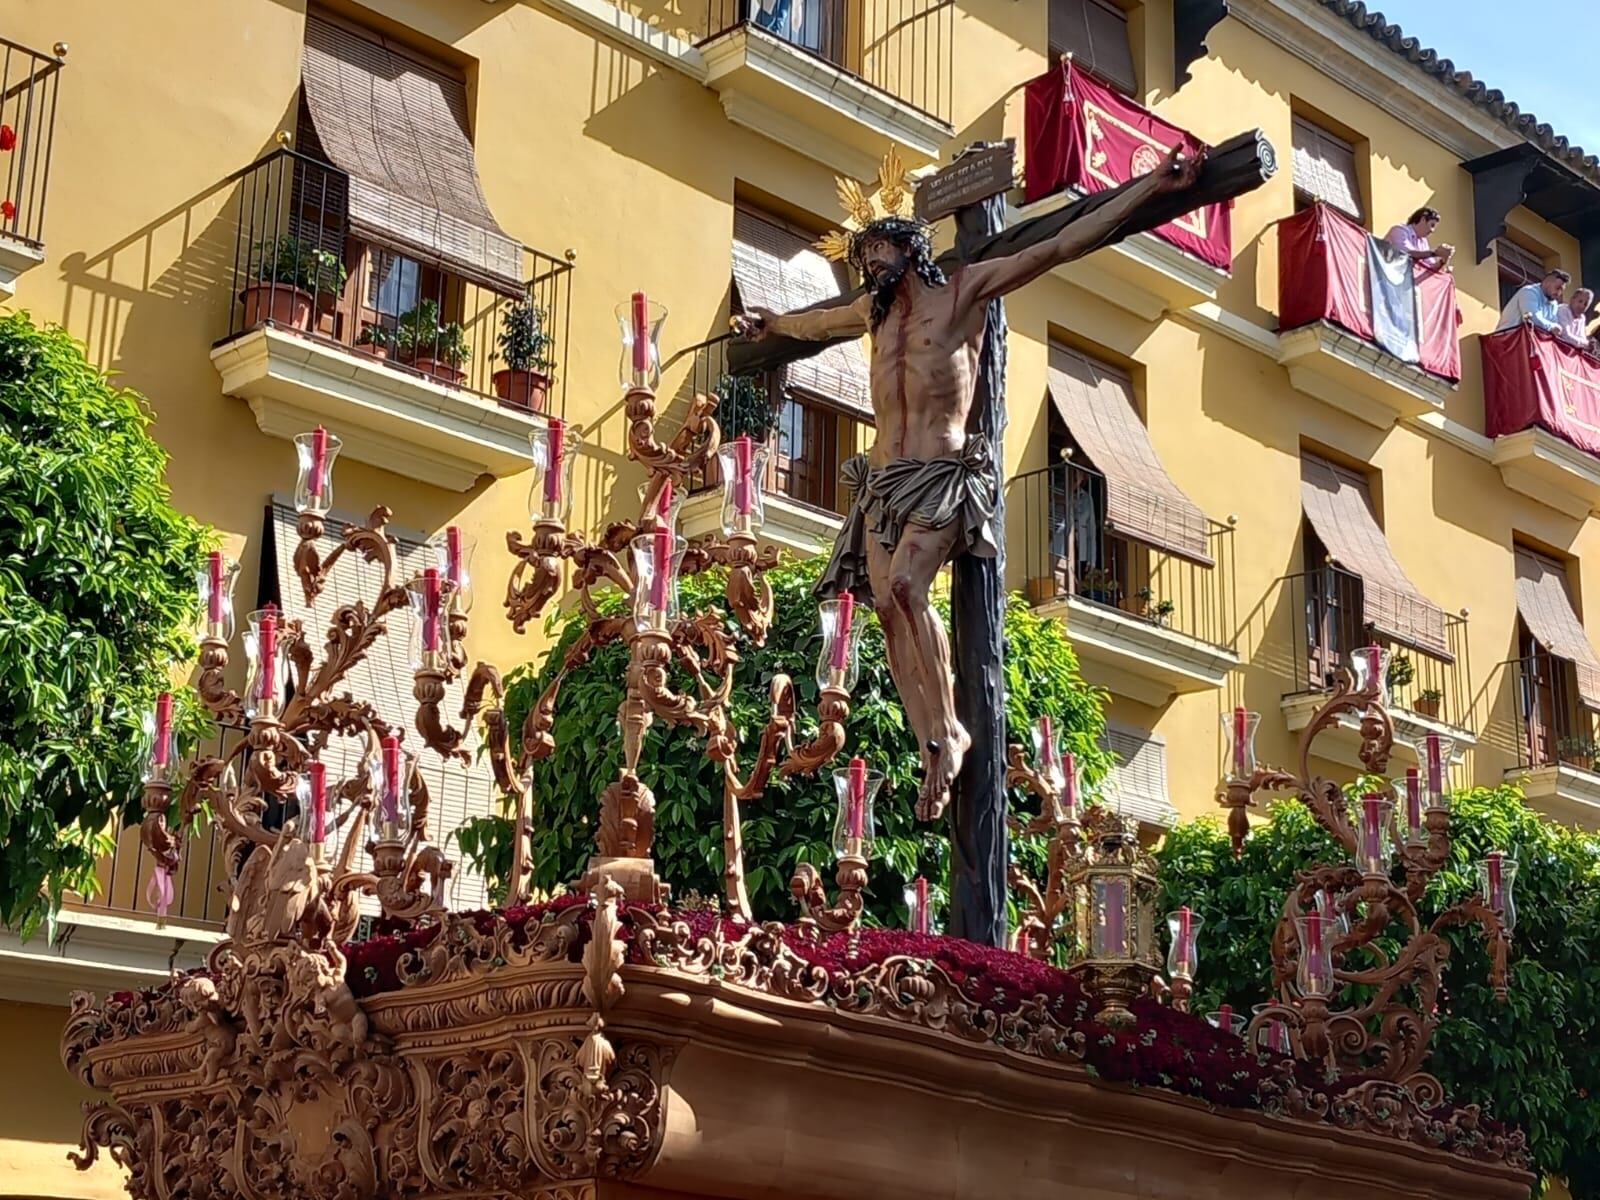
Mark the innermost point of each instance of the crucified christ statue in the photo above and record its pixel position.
(926, 490)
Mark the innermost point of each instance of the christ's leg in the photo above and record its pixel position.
(903, 666)
(922, 551)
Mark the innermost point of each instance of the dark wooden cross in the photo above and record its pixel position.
(979, 840)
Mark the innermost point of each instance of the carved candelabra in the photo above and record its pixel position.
(645, 559)
(1343, 1000)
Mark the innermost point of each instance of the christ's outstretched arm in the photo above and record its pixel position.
(986, 280)
(813, 325)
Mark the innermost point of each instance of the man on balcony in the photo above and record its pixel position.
(1539, 304)
(1574, 317)
(1412, 238)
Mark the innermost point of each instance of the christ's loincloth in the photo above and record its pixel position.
(909, 491)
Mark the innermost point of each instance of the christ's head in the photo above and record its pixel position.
(886, 252)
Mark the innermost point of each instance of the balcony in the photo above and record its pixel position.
(1088, 139)
(1426, 694)
(29, 81)
(1541, 403)
(422, 369)
(806, 440)
(837, 80)
(1146, 624)
(1556, 746)
(1327, 340)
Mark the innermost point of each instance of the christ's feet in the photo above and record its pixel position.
(942, 764)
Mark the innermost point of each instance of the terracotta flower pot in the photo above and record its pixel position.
(440, 370)
(280, 303)
(378, 352)
(527, 390)
(1427, 706)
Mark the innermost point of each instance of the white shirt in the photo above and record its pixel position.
(1406, 238)
(1572, 324)
(1531, 302)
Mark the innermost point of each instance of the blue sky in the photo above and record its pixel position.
(1541, 54)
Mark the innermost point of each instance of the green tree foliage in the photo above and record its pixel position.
(1534, 1060)
(96, 598)
(794, 819)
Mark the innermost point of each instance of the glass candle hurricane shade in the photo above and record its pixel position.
(1412, 804)
(917, 917)
(312, 793)
(214, 585)
(1338, 921)
(1497, 877)
(1434, 752)
(450, 553)
(161, 751)
(1239, 727)
(390, 773)
(1314, 972)
(657, 555)
(431, 596)
(1273, 1033)
(839, 660)
(264, 663)
(1371, 814)
(744, 467)
(313, 487)
(553, 450)
(853, 827)
(1183, 928)
(1370, 667)
(1225, 1019)
(640, 320)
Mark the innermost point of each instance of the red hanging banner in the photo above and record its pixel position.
(1081, 134)
(1532, 378)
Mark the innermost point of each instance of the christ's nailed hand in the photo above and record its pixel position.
(753, 325)
(1180, 170)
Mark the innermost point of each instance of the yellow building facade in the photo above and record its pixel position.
(457, 149)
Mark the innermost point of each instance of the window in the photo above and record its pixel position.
(1517, 267)
(393, 281)
(810, 442)
(1095, 33)
(814, 25)
(1325, 169)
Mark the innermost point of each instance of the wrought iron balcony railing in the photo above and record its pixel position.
(1554, 727)
(29, 81)
(298, 266)
(1064, 557)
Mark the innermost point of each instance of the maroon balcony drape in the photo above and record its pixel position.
(1532, 378)
(1081, 134)
(1322, 276)
(1546, 609)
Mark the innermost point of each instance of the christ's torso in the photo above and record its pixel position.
(924, 359)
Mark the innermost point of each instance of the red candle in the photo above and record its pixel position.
(844, 615)
(556, 432)
(391, 778)
(1185, 937)
(743, 456)
(1047, 740)
(1278, 1035)
(269, 652)
(319, 801)
(452, 555)
(1435, 765)
(319, 459)
(1371, 825)
(664, 503)
(857, 812)
(215, 572)
(661, 566)
(1239, 724)
(1413, 800)
(162, 750)
(641, 333)
(1069, 783)
(1225, 1017)
(1314, 970)
(1116, 903)
(922, 904)
(1497, 893)
(1374, 655)
(430, 608)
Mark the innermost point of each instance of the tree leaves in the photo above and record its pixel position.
(96, 601)
(794, 820)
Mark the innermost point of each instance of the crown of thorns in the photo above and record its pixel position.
(889, 213)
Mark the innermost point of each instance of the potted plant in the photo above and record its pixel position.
(1098, 585)
(1161, 612)
(1427, 703)
(744, 408)
(524, 381)
(435, 348)
(1578, 751)
(376, 340)
(289, 277)
(1400, 673)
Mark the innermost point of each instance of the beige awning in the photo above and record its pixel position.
(1095, 401)
(1338, 505)
(384, 678)
(776, 268)
(399, 129)
(1546, 609)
